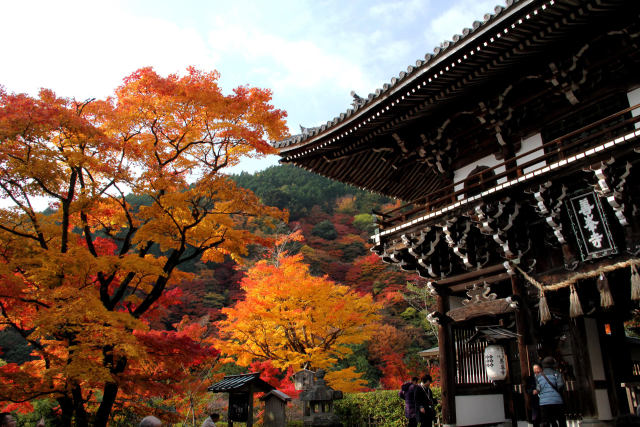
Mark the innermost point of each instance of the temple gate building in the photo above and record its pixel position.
(515, 147)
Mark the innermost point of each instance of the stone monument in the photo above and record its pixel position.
(318, 403)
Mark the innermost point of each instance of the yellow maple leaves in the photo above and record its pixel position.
(295, 319)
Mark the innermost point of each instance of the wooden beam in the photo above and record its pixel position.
(491, 308)
(470, 275)
(488, 279)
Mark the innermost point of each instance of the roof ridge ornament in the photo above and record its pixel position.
(358, 101)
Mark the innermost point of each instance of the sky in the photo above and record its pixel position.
(310, 53)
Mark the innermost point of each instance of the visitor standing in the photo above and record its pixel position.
(7, 420)
(549, 384)
(532, 392)
(424, 402)
(211, 420)
(406, 393)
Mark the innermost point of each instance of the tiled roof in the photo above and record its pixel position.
(390, 142)
(413, 71)
(277, 393)
(240, 383)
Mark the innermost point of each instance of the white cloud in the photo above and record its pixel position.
(460, 15)
(84, 49)
(292, 64)
(397, 11)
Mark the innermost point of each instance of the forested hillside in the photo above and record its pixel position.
(336, 222)
(299, 191)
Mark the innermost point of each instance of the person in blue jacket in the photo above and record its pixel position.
(549, 384)
(532, 391)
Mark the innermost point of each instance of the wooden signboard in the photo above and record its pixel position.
(590, 226)
(239, 407)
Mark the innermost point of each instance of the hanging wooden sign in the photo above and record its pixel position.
(239, 406)
(590, 226)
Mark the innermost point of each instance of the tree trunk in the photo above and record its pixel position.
(78, 406)
(66, 407)
(104, 411)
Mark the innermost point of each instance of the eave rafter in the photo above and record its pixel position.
(365, 135)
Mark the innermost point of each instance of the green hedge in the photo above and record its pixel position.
(381, 408)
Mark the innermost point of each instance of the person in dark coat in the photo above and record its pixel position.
(424, 402)
(6, 419)
(549, 384)
(406, 393)
(534, 401)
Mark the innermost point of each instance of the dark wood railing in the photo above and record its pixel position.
(579, 140)
(633, 395)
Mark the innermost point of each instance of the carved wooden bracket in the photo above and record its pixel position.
(611, 186)
(437, 150)
(479, 293)
(549, 207)
(494, 114)
(456, 237)
(566, 78)
(486, 308)
(550, 199)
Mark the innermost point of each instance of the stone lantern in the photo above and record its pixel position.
(318, 403)
(303, 379)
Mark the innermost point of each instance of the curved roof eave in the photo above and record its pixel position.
(404, 79)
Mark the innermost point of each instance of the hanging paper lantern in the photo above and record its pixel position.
(495, 362)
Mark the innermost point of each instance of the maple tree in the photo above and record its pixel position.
(294, 319)
(81, 281)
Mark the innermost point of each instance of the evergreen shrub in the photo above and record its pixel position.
(382, 408)
(325, 229)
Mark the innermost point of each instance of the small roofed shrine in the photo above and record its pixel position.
(275, 404)
(241, 389)
(515, 147)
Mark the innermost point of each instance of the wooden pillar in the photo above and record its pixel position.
(447, 364)
(250, 414)
(522, 330)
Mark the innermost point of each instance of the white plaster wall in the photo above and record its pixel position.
(528, 144)
(461, 173)
(634, 99)
(479, 409)
(602, 405)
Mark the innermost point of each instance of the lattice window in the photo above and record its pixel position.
(469, 358)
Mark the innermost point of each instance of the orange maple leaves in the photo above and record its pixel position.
(137, 189)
